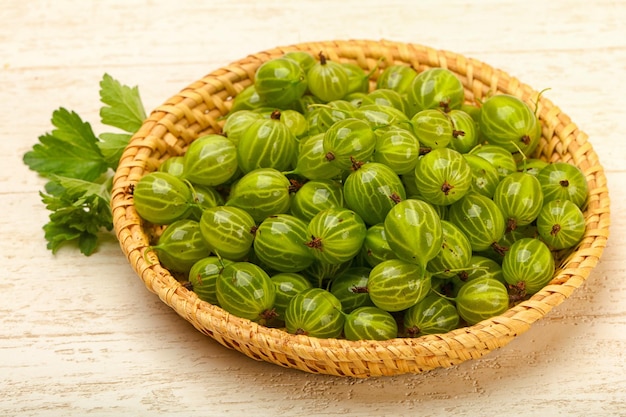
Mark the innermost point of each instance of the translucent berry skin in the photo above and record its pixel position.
(507, 121)
(245, 290)
(314, 312)
(561, 224)
(563, 181)
(432, 315)
(328, 80)
(520, 198)
(370, 323)
(287, 285)
(210, 160)
(336, 235)
(348, 141)
(261, 192)
(372, 190)
(267, 143)
(480, 219)
(280, 243)
(228, 231)
(203, 277)
(350, 287)
(435, 88)
(396, 285)
(528, 265)
(280, 81)
(162, 198)
(443, 176)
(414, 232)
(181, 245)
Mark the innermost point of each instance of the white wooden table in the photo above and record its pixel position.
(82, 335)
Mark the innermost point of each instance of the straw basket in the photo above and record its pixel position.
(197, 110)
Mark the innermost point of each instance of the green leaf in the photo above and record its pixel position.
(70, 150)
(124, 108)
(79, 212)
(112, 146)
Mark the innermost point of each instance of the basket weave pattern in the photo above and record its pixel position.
(198, 110)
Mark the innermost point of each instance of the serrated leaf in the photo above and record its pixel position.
(70, 150)
(112, 146)
(79, 210)
(124, 108)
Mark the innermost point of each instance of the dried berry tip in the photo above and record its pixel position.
(446, 187)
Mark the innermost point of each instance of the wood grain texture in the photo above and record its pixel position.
(83, 336)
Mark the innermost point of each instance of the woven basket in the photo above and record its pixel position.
(197, 110)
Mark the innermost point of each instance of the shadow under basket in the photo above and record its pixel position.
(198, 109)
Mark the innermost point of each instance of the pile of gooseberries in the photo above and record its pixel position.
(337, 203)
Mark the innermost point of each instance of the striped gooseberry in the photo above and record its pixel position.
(327, 80)
(347, 141)
(237, 123)
(314, 312)
(210, 160)
(561, 224)
(502, 159)
(323, 116)
(287, 285)
(204, 197)
(481, 299)
(485, 176)
(479, 266)
(321, 273)
(480, 219)
(280, 81)
(246, 290)
(432, 128)
(435, 88)
(358, 79)
(173, 165)
(375, 247)
(261, 192)
(315, 196)
(414, 233)
(531, 165)
(397, 77)
(303, 58)
(370, 323)
(247, 99)
(203, 277)
(335, 235)
(397, 148)
(507, 121)
(528, 266)
(563, 181)
(442, 176)
(380, 116)
(267, 143)
(386, 97)
(464, 131)
(455, 253)
(180, 246)
(371, 190)
(432, 315)
(520, 198)
(162, 198)
(312, 162)
(280, 243)
(228, 231)
(350, 288)
(395, 285)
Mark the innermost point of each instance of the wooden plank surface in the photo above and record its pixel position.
(83, 336)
